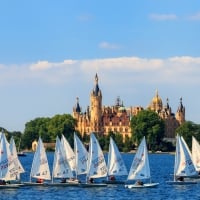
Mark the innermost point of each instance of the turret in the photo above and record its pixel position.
(180, 114)
(96, 107)
(76, 109)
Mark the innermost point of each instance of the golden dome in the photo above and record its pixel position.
(156, 103)
(157, 99)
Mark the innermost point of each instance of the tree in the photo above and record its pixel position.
(48, 129)
(187, 130)
(148, 123)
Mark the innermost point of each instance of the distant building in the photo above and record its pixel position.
(116, 118)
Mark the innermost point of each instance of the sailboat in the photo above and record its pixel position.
(96, 167)
(116, 166)
(183, 166)
(140, 169)
(69, 156)
(61, 169)
(196, 153)
(9, 171)
(15, 158)
(40, 166)
(20, 153)
(81, 156)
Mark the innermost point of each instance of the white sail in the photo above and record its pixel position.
(40, 167)
(68, 152)
(61, 168)
(81, 156)
(96, 163)
(184, 166)
(116, 164)
(196, 153)
(15, 158)
(140, 165)
(8, 169)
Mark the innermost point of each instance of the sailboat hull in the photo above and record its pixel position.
(64, 184)
(92, 185)
(10, 186)
(181, 182)
(146, 185)
(113, 182)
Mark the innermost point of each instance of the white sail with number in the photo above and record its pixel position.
(40, 166)
(69, 153)
(140, 166)
(184, 166)
(15, 158)
(8, 170)
(81, 156)
(116, 165)
(61, 168)
(96, 164)
(196, 153)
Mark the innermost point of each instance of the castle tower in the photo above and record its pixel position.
(96, 108)
(156, 103)
(76, 109)
(180, 114)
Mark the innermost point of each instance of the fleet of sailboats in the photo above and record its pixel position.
(69, 164)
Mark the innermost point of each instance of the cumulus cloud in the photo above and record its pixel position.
(183, 70)
(163, 17)
(107, 45)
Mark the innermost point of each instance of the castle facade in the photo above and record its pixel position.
(104, 119)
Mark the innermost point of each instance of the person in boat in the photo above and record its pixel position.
(139, 182)
(112, 178)
(2, 182)
(63, 180)
(39, 180)
(91, 180)
(180, 178)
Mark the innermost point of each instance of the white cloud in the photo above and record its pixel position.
(195, 16)
(183, 70)
(163, 17)
(107, 45)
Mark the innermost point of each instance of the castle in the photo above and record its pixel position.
(116, 118)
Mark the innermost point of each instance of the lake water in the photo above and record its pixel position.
(161, 168)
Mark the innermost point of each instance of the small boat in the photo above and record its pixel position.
(20, 153)
(116, 166)
(9, 165)
(61, 169)
(140, 170)
(96, 164)
(184, 166)
(81, 156)
(68, 153)
(40, 167)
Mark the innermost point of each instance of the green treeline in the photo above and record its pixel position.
(145, 123)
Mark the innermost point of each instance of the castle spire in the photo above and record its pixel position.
(96, 87)
(77, 108)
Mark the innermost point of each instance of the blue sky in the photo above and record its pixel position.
(51, 50)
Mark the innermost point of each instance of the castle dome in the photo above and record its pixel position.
(156, 103)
